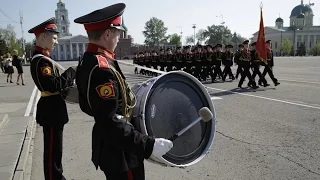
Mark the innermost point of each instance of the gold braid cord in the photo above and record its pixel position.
(128, 97)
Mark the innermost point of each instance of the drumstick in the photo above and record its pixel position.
(205, 115)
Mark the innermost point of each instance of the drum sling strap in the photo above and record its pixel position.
(46, 93)
(128, 97)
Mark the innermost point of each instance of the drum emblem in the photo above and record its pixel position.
(153, 110)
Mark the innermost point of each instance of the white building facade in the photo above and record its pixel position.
(69, 47)
(301, 29)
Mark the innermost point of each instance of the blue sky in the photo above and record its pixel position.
(241, 16)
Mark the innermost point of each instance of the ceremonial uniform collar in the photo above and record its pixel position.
(43, 51)
(100, 50)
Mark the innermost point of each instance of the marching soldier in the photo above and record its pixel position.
(162, 60)
(209, 62)
(238, 61)
(217, 58)
(142, 63)
(227, 61)
(268, 67)
(169, 60)
(188, 58)
(48, 80)
(135, 61)
(197, 59)
(154, 59)
(245, 59)
(179, 63)
(256, 61)
(117, 147)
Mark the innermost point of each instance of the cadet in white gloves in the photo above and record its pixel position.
(161, 147)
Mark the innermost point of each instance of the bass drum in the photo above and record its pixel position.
(168, 103)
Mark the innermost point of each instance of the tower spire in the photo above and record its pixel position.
(301, 2)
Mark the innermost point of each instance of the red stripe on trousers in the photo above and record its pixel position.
(50, 153)
(129, 175)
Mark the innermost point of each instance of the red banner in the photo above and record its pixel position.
(260, 46)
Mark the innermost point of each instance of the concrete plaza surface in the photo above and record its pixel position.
(268, 133)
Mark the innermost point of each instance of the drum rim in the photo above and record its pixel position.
(211, 107)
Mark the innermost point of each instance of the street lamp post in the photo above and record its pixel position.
(222, 22)
(194, 33)
(180, 34)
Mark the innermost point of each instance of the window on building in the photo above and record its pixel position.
(61, 47)
(63, 29)
(62, 17)
(276, 45)
(310, 44)
(298, 44)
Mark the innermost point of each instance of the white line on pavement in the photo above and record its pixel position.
(266, 98)
(30, 103)
(215, 98)
(300, 81)
(35, 104)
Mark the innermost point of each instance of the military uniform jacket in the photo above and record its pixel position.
(116, 145)
(255, 58)
(270, 58)
(51, 107)
(227, 58)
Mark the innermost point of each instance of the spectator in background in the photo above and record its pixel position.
(17, 62)
(8, 67)
(2, 64)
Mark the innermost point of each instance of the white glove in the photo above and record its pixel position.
(161, 147)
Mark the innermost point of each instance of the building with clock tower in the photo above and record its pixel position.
(62, 19)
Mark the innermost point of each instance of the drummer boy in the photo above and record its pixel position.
(117, 147)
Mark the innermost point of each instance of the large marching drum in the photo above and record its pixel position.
(164, 106)
(168, 103)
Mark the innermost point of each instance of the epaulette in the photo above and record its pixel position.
(102, 62)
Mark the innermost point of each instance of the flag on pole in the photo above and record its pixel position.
(260, 45)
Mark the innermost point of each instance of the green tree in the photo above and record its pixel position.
(315, 50)
(301, 49)
(175, 39)
(215, 34)
(236, 40)
(200, 36)
(9, 36)
(292, 53)
(29, 49)
(3, 46)
(190, 39)
(286, 46)
(154, 32)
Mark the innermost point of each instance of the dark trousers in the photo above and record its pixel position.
(133, 174)
(246, 73)
(239, 71)
(52, 137)
(217, 71)
(227, 72)
(256, 71)
(267, 69)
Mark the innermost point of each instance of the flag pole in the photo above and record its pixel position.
(261, 38)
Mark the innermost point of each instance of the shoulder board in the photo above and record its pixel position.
(102, 62)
